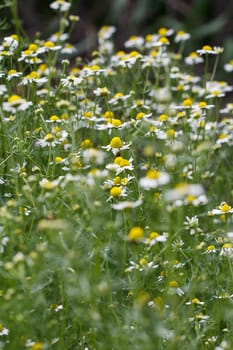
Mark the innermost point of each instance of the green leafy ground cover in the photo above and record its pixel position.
(116, 194)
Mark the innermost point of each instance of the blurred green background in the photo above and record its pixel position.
(208, 21)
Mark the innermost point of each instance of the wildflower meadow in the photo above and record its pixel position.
(116, 225)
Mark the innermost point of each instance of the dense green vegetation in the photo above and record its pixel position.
(116, 191)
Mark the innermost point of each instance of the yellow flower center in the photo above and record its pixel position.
(49, 137)
(121, 161)
(162, 31)
(202, 104)
(15, 37)
(58, 159)
(195, 301)
(116, 122)
(118, 95)
(124, 181)
(54, 118)
(33, 47)
(181, 114)
(116, 142)
(170, 133)
(136, 233)
(163, 117)
(225, 207)
(180, 87)
(140, 115)
(86, 143)
(133, 38)
(37, 346)
(193, 55)
(187, 102)
(154, 53)
(120, 53)
(190, 198)
(201, 124)
(148, 37)
(108, 115)
(117, 180)
(164, 40)
(173, 284)
(48, 185)
(115, 191)
(207, 48)
(227, 246)
(88, 114)
(143, 261)
(211, 248)
(216, 92)
(153, 235)
(33, 75)
(12, 71)
(153, 174)
(14, 98)
(104, 91)
(94, 67)
(180, 33)
(49, 44)
(222, 136)
(134, 54)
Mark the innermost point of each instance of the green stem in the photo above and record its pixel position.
(3, 154)
(206, 70)
(15, 18)
(215, 67)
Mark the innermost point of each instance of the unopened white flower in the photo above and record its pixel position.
(13, 74)
(60, 5)
(192, 224)
(3, 89)
(153, 179)
(18, 257)
(33, 77)
(175, 289)
(164, 32)
(155, 237)
(181, 36)
(128, 60)
(119, 97)
(223, 208)
(49, 185)
(229, 66)
(16, 103)
(116, 145)
(71, 81)
(228, 109)
(105, 33)
(127, 204)
(200, 317)
(227, 249)
(195, 301)
(183, 190)
(207, 49)
(11, 42)
(134, 41)
(101, 91)
(120, 164)
(193, 58)
(93, 155)
(55, 37)
(3, 330)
